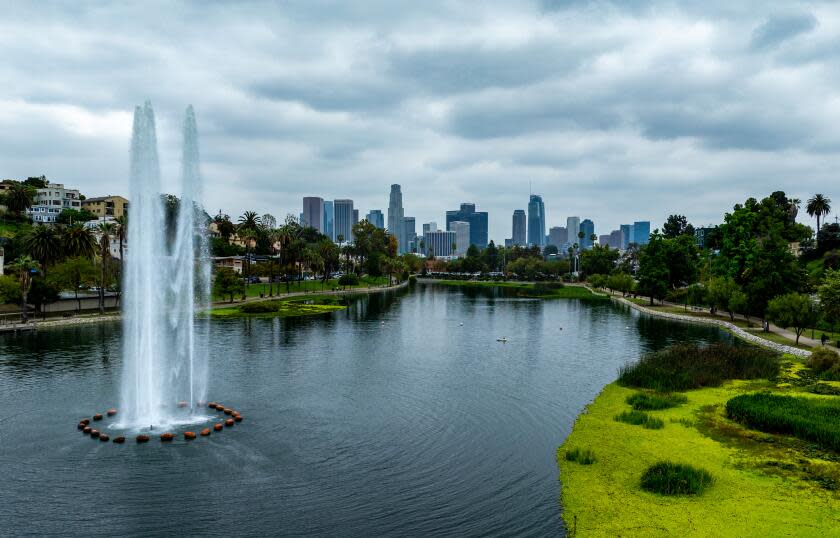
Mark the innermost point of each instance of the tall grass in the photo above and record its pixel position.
(668, 478)
(654, 402)
(584, 456)
(640, 418)
(810, 419)
(690, 366)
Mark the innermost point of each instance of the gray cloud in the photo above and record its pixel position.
(779, 28)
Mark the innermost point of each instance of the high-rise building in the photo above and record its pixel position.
(558, 237)
(588, 229)
(409, 231)
(355, 217)
(536, 221)
(462, 236)
(344, 219)
(376, 218)
(396, 216)
(604, 240)
(329, 220)
(430, 227)
(518, 235)
(439, 243)
(313, 213)
(641, 232)
(626, 235)
(616, 239)
(477, 220)
(572, 229)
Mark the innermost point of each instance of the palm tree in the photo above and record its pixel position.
(248, 230)
(121, 231)
(818, 206)
(106, 230)
(593, 238)
(24, 266)
(43, 244)
(19, 198)
(78, 242)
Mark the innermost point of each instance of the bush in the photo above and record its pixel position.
(653, 402)
(263, 307)
(412, 280)
(640, 418)
(348, 279)
(810, 419)
(583, 456)
(668, 478)
(690, 366)
(825, 362)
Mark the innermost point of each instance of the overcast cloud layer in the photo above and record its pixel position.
(612, 111)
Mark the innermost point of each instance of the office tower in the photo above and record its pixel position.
(477, 220)
(439, 243)
(572, 229)
(641, 232)
(430, 227)
(588, 229)
(409, 231)
(355, 216)
(396, 217)
(536, 221)
(518, 236)
(558, 237)
(344, 219)
(462, 236)
(616, 239)
(313, 213)
(329, 220)
(626, 235)
(376, 218)
(604, 240)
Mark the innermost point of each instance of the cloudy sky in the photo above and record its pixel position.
(613, 111)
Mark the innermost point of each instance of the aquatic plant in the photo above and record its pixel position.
(667, 478)
(584, 456)
(652, 402)
(640, 418)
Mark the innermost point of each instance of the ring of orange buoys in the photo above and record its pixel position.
(84, 425)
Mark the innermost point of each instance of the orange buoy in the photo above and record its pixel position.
(238, 418)
(111, 412)
(94, 433)
(218, 427)
(220, 407)
(85, 421)
(119, 440)
(229, 422)
(104, 437)
(212, 405)
(142, 438)
(182, 403)
(205, 432)
(228, 411)
(167, 436)
(97, 416)
(189, 435)
(87, 429)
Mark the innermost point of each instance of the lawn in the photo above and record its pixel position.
(311, 286)
(763, 484)
(537, 290)
(290, 307)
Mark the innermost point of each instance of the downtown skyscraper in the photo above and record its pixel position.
(396, 218)
(536, 221)
(519, 227)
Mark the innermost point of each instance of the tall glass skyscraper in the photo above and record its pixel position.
(572, 229)
(518, 236)
(588, 228)
(329, 220)
(626, 235)
(476, 219)
(396, 217)
(344, 219)
(641, 232)
(376, 218)
(313, 212)
(536, 221)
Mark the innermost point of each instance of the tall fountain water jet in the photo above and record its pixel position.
(163, 284)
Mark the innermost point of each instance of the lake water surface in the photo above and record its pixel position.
(399, 416)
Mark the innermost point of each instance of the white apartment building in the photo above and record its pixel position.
(52, 200)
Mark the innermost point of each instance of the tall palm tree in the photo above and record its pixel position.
(106, 231)
(121, 231)
(43, 244)
(19, 198)
(78, 242)
(25, 267)
(247, 230)
(818, 206)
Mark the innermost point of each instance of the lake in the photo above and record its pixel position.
(401, 415)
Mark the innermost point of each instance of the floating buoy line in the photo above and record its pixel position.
(87, 429)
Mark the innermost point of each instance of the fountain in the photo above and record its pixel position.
(164, 365)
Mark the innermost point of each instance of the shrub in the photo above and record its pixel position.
(583, 456)
(690, 366)
(668, 478)
(348, 279)
(263, 307)
(640, 418)
(653, 402)
(412, 280)
(825, 362)
(810, 419)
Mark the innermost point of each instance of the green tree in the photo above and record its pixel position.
(19, 198)
(106, 232)
(78, 241)
(720, 291)
(74, 273)
(598, 260)
(677, 225)
(621, 282)
(73, 216)
(653, 274)
(25, 267)
(829, 294)
(793, 310)
(227, 284)
(818, 206)
(121, 232)
(248, 231)
(43, 292)
(44, 244)
(224, 226)
(9, 289)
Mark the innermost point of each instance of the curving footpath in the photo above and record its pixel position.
(731, 327)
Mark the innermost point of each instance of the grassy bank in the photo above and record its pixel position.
(537, 290)
(762, 484)
(293, 306)
(310, 286)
